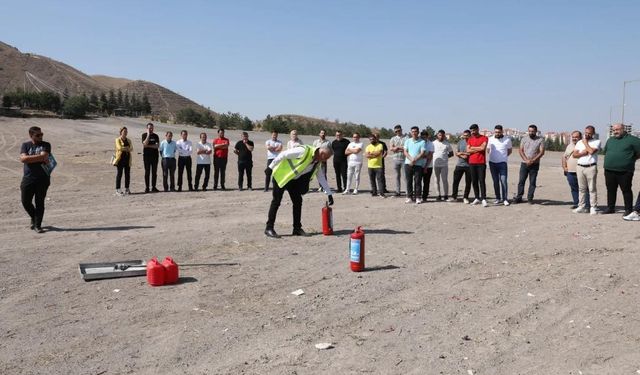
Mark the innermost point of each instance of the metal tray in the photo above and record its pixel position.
(112, 270)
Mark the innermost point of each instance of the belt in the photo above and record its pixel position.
(185, 156)
(587, 165)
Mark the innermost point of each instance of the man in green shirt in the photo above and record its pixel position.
(621, 152)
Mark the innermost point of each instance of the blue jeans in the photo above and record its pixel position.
(530, 171)
(573, 184)
(499, 176)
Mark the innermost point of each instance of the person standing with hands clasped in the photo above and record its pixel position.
(168, 151)
(531, 151)
(294, 176)
(586, 151)
(244, 149)
(274, 147)
(122, 161)
(150, 144)
(185, 148)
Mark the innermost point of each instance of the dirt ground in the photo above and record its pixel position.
(450, 288)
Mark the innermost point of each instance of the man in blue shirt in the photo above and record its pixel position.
(168, 152)
(414, 149)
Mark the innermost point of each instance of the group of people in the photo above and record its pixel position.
(153, 151)
(417, 155)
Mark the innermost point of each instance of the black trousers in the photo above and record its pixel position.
(457, 176)
(340, 166)
(168, 172)
(296, 188)
(219, 171)
(613, 180)
(478, 176)
(127, 175)
(244, 167)
(207, 172)
(426, 181)
(34, 189)
(413, 176)
(184, 162)
(267, 175)
(530, 171)
(150, 167)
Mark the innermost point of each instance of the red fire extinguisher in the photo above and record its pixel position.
(356, 250)
(327, 220)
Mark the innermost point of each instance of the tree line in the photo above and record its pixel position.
(78, 106)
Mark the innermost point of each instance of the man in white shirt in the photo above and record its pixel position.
(294, 141)
(586, 151)
(442, 151)
(499, 148)
(354, 163)
(203, 161)
(185, 148)
(322, 142)
(274, 147)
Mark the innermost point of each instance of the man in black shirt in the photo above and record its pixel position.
(243, 149)
(150, 143)
(339, 145)
(34, 154)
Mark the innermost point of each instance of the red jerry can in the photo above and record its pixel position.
(171, 271)
(327, 220)
(155, 272)
(356, 250)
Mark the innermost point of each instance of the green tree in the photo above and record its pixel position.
(102, 103)
(126, 103)
(6, 101)
(75, 107)
(112, 102)
(189, 116)
(119, 99)
(247, 124)
(146, 106)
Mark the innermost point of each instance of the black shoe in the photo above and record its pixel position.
(299, 232)
(266, 190)
(38, 229)
(241, 189)
(204, 189)
(180, 189)
(609, 210)
(271, 233)
(222, 187)
(215, 188)
(146, 190)
(373, 193)
(155, 190)
(517, 200)
(33, 223)
(530, 201)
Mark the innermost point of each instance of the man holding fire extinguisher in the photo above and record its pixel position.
(292, 171)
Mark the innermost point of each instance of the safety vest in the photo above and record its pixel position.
(289, 169)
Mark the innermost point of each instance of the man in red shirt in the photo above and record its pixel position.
(477, 149)
(220, 156)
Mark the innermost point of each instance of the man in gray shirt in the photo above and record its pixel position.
(462, 169)
(531, 151)
(397, 148)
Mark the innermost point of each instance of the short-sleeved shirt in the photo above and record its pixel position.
(531, 147)
(203, 158)
(293, 144)
(441, 153)
(398, 141)
(244, 155)
(168, 149)
(221, 152)
(414, 148)
(34, 172)
(588, 159)
(499, 149)
(319, 142)
(355, 158)
(571, 161)
(620, 153)
(184, 147)
(153, 140)
(374, 163)
(272, 143)
(478, 157)
(339, 147)
(462, 147)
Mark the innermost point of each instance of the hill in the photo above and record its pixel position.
(31, 72)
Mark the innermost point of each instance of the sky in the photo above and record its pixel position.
(446, 64)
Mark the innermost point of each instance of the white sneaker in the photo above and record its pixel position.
(409, 200)
(506, 202)
(497, 201)
(594, 211)
(475, 202)
(119, 192)
(451, 200)
(633, 216)
(345, 192)
(484, 203)
(355, 192)
(580, 210)
(418, 201)
(465, 201)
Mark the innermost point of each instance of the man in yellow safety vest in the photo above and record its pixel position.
(292, 172)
